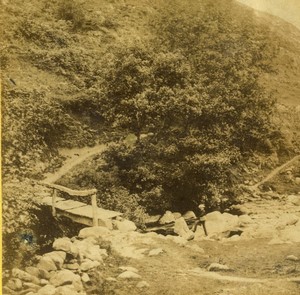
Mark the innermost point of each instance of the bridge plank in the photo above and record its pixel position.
(48, 200)
(69, 204)
(87, 211)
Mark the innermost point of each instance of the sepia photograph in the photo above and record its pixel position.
(150, 147)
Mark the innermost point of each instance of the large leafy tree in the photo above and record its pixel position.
(196, 92)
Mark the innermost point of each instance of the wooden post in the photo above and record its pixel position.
(94, 207)
(54, 195)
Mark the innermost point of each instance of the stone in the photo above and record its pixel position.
(63, 244)
(153, 219)
(129, 275)
(66, 290)
(195, 248)
(294, 199)
(31, 286)
(142, 284)
(189, 215)
(245, 219)
(58, 257)
(14, 284)
(89, 264)
(155, 252)
(130, 268)
(44, 282)
(292, 258)
(125, 226)
(178, 240)
(218, 267)
(176, 215)
(297, 180)
(71, 266)
(218, 224)
(44, 274)
(47, 290)
(291, 233)
(286, 220)
(95, 232)
(22, 275)
(85, 278)
(34, 271)
(182, 230)
(86, 249)
(63, 277)
(46, 263)
(168, 217)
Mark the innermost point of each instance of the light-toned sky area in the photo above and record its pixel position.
(288, 10)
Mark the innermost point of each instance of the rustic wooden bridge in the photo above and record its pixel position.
(90, 215)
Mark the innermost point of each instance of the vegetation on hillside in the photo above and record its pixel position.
(181, 77)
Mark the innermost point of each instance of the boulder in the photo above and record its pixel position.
(291, 233)
(176, 215)
(85, 278)
(63, 277)
(86, 249)
(153, 219)
(14, 284)
(245, 219)
(168, 217)
(44, 282)
(22, 275)
(47, 290)
(178, 240)
(95, 232)
(218, 224)
(294, 199)
(286, 220)
(155, 252)
(89, 264)
(125, 225)
(129, 275)
(58, 257)
(63, 244)
(47, 264)
(292, 258)
(142, 284)
(182, 230)
(34, 271)
(189, 215)
(31, 286)
(71, 266)
(66, 290)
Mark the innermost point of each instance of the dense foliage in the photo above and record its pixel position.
(182, 80)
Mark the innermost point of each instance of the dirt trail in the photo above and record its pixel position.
(276, 171)
(74, 157)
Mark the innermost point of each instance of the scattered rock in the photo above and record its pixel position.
(294, 199)
(245, 219)
(86, 249)
(129, 268)
(34, 271)
(178, 240)
(168, 217)
(176, 215)
(153, 219)
(129, 275)
(14, 284)
(195, 248)
(47, 264)
(71, 266)
(63, 277)
(189, 215)
(22, 275)
(66, 290)
(44, 282)
(63, 244)
(95, 232)
(155, 252)
(182, 229)
(31, 286)
(89, 264)
(142, 284)
(286, 220)
(292, 257)
(58, 257)
(85, 278)
(125, 225)
(47, 290)
(218, 267)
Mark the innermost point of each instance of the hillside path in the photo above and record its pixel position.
(74, 156)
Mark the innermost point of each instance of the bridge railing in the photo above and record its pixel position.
(92, 193)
